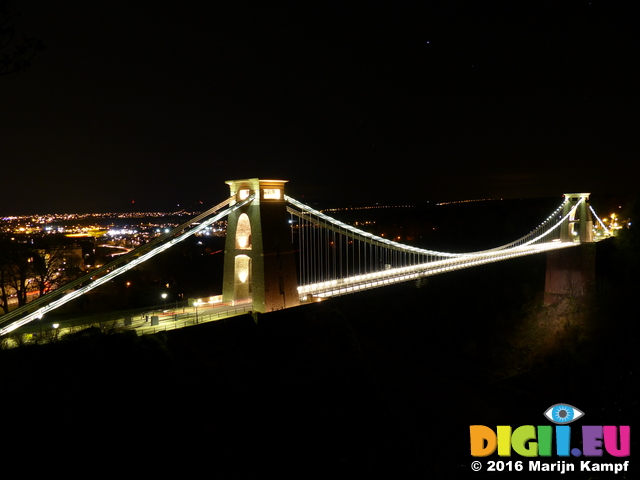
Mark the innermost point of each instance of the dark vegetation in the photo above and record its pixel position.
(35, 266)
(381, 383)
(16, 48)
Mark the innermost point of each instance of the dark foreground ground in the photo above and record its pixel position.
(383, 383)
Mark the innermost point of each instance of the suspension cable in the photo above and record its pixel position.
(329, 222)
(599, 221)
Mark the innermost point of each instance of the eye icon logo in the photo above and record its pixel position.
(563, 413)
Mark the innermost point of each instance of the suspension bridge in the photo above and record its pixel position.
(280, 253)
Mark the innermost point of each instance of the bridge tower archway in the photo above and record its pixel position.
(259, 261)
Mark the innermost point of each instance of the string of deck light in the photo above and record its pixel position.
(363, 282)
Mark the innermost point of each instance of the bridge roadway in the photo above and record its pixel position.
(396, 275)
(172, 319)
(169, 319)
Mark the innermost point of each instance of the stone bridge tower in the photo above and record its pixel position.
(572, 271)
(580, 225)
(259, 262)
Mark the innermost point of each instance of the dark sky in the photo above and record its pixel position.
(352, 102)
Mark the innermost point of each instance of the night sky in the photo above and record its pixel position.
(352, 102)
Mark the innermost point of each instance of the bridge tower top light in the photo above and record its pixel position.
(574, 197)
(269, 190)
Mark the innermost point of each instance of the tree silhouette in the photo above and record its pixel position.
(15, 269)
(16, 49)
(26, 269)
(54, 266)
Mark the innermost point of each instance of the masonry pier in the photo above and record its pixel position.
(571, 271)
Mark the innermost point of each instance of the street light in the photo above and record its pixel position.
(195, 304)
(164, 298)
